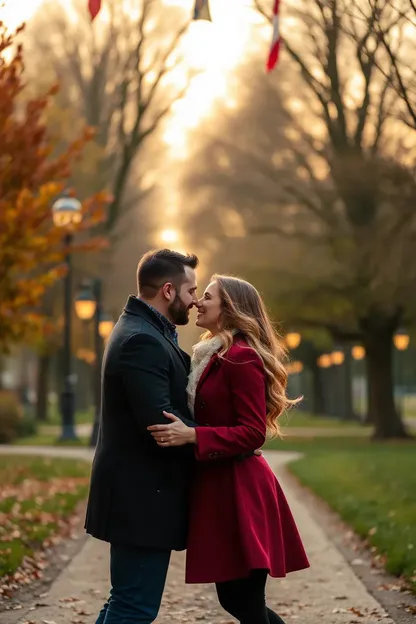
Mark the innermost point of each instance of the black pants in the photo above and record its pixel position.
(138, 578)
(245, 599)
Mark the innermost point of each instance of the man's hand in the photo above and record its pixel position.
(174, 434)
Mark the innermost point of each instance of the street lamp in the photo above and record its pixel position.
(85, 304)
(324, 361)
(67, 212)
(337, 357)
(401, 341)
(88, 306)
(358, 353)
(105, 327)
(293, 340)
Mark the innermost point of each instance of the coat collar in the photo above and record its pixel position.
(216, 361)
(138, 308)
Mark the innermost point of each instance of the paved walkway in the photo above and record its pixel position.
(328, 593)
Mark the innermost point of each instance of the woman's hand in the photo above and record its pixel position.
(174, 434)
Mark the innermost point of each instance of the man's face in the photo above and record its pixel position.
(184, 300)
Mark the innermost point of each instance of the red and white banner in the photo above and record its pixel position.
(94, 7)
(275, 46)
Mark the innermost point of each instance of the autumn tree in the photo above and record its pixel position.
(318, 168)
(401, 57)
(32, 248)
(122, 74)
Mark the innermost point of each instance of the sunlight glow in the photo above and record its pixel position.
(169, 235)
(213, 50)
(14, 13)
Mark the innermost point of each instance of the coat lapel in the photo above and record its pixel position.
(177, 349)
(214, 361)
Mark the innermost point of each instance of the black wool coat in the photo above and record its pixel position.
(139, 493)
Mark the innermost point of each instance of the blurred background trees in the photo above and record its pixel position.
(303, 180)
(317, 174)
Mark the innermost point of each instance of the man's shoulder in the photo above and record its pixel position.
(137, 329)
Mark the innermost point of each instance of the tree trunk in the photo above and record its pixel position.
(378, 341)
(42, 387)
(318, 399)
(369, 416)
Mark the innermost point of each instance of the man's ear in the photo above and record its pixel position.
(169, 291)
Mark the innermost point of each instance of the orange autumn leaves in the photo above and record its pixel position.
(38, 504)
(31, 178)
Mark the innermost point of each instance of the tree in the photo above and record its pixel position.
(357, 136)
(31, 246)
(120, 75)
(403, 74)
(330, 188)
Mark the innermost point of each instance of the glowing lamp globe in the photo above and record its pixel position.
(105, 326)
(401, 340)
(325, 361)
(297, 367)
(293, 340)
(358, 352)
(85, 305)
(67, 211)
(337, 357)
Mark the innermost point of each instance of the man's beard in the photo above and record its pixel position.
(178, 311)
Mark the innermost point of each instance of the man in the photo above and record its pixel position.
(138, 497)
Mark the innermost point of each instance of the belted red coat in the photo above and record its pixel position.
(240, 519)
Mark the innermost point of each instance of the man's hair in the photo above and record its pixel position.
(160, 266)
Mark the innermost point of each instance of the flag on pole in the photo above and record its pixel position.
(275, 46)
(201, 10)
(94, 7)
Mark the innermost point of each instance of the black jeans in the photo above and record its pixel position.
(245, 599)
(138, 577)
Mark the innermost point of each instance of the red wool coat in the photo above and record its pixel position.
(240, 519)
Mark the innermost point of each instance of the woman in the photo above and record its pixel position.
(241, 527)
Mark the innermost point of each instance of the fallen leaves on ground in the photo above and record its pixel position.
(37, 511)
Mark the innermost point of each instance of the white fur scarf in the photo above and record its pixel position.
(202, 353)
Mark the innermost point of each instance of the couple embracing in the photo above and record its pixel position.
(177, 464)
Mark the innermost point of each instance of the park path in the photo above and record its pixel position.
(328, 593)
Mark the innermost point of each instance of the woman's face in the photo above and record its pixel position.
(209, 309)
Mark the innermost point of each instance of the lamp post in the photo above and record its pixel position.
(88, 305)
(358, 354)
(324, 362)
(337, 360)
(401, 341)
(106, 326)
(66, 212)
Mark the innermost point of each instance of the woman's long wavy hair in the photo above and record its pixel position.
(243, 311)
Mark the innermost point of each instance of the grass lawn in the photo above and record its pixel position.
(371, 485)
(298, 418)
(37, 499)
(46, 439)
(82, 417)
